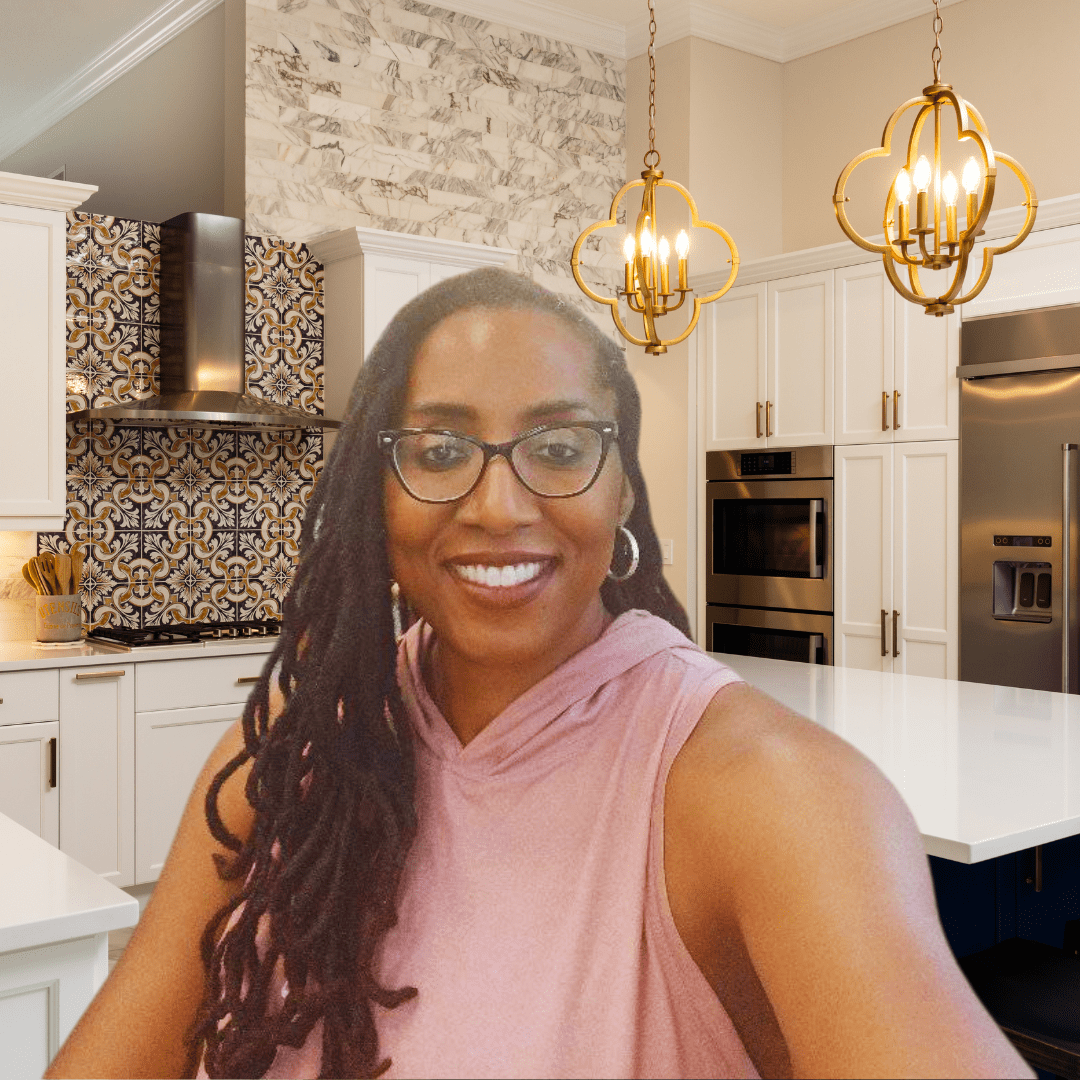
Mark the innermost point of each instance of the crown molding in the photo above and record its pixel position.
(20, 190)
(548, 20)
(332, 247)
(159, 28)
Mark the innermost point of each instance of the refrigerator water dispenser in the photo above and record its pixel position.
(1022, 591)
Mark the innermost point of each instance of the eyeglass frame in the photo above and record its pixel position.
(607, 429)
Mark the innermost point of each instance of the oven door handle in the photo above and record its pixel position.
(817, 570)
(815, 641)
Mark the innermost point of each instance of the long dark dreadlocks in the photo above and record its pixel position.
(332, 776)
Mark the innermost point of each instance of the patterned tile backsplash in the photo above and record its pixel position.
(178, 524)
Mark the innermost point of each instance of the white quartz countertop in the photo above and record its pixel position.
(986, 770)
(24, 655)
(46, 896)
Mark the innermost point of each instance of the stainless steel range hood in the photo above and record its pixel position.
(202, 338)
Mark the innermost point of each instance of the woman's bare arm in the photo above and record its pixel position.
(804, 849)
(137, 1023)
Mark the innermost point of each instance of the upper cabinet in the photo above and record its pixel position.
(32, 302)
(369, 276)
(895, 366)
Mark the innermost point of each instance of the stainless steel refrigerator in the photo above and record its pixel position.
(1020, 499)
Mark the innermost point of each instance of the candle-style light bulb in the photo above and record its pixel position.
(971, 177)
(949, 189)
(664, 251)
(922, 174)
(682, 249)
(902, 187)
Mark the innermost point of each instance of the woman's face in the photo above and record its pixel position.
(494, 374)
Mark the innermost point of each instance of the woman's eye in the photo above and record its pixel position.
(556, 452)
(434, 455)
(443, 456)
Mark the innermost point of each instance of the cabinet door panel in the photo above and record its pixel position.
(97, 771)
(864, 353)
(927, 353)
(735, 372)
(801, 359)
(863, 550)
(925, 576)
(25, 794)
(171, 749)
(390, 282)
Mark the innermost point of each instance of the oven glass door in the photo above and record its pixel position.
(775, 635)
(769, 543)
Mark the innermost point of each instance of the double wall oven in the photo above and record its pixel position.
(769, 540)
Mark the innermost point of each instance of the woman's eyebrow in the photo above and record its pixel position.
(450, 411)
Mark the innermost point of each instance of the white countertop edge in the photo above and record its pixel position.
(991, 848)
(67, 927)
(28, 656)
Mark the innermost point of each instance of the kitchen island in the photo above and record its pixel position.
(985, 770)
(55, 918)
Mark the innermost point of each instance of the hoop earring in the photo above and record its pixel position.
(634, 555)
(396, 612)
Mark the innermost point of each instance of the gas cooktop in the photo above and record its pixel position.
(126, 637)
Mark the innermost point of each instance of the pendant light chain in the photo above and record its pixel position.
(652, 87)
(935, 55)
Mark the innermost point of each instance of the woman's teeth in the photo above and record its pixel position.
(499, 576)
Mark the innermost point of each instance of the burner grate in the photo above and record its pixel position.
(183, 633)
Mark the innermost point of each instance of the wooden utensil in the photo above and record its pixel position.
(76, 568)
(29, 574)
(47, 572)
(63, 573)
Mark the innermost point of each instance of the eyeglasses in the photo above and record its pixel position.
(555, 461)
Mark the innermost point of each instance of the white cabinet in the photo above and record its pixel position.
(736, 368)
(32, 303)
(28, 781)
(895, 365)
(97, 769)
(369, 276)
(896, 557)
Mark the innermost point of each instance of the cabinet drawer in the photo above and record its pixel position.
(27, 697)
(188, 684)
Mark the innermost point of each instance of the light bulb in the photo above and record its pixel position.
(971, 176)
(902, 187)
(922, 174)
(664, 249)
(628, 248)
(682, 244)
(949, 189)
(648, 242)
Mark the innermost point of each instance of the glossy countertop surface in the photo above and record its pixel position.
(28, 655)
(46, 896)
(986, 770)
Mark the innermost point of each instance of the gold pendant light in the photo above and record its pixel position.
(935, 242)
(647, 285)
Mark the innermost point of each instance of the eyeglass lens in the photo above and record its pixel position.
(440, 467)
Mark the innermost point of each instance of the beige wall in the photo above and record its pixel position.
(154, 140)
(718, 124)
(1017, 64)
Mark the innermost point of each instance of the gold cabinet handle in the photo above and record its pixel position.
(884, 616)
(884, 410)
(896, 409)
(98, 675)
(243, 680)
(758, 421)
(768, 418)
(895, 639)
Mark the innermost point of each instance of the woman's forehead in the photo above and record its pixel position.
(485, 358)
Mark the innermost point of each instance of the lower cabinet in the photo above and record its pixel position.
(28, 777)
(173, 746)
(97, 769)
(896, 558)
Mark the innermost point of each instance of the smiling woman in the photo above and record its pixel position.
(542, 834)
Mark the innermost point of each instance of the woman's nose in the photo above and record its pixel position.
(500, 501)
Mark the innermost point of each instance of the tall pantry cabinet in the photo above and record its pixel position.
(838, 357)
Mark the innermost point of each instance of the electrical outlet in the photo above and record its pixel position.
(667, 550)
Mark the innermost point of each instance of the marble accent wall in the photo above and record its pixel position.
(179, 524)
(410, 117)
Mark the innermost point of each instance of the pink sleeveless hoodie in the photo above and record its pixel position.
(533, 916)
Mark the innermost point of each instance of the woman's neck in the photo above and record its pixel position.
(471, 692)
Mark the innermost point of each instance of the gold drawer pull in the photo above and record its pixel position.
(98, 675)
(243, 680)
(884, 410)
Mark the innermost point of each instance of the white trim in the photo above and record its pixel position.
(686, 18)
(1052, 214)
(348, 242)
(162, 26)
(548, 20)
(45, 194)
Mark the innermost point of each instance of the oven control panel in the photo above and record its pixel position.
(776, 463)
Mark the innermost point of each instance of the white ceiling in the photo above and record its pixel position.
(59, 53)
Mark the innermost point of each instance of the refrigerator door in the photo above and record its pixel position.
(1013, 478)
